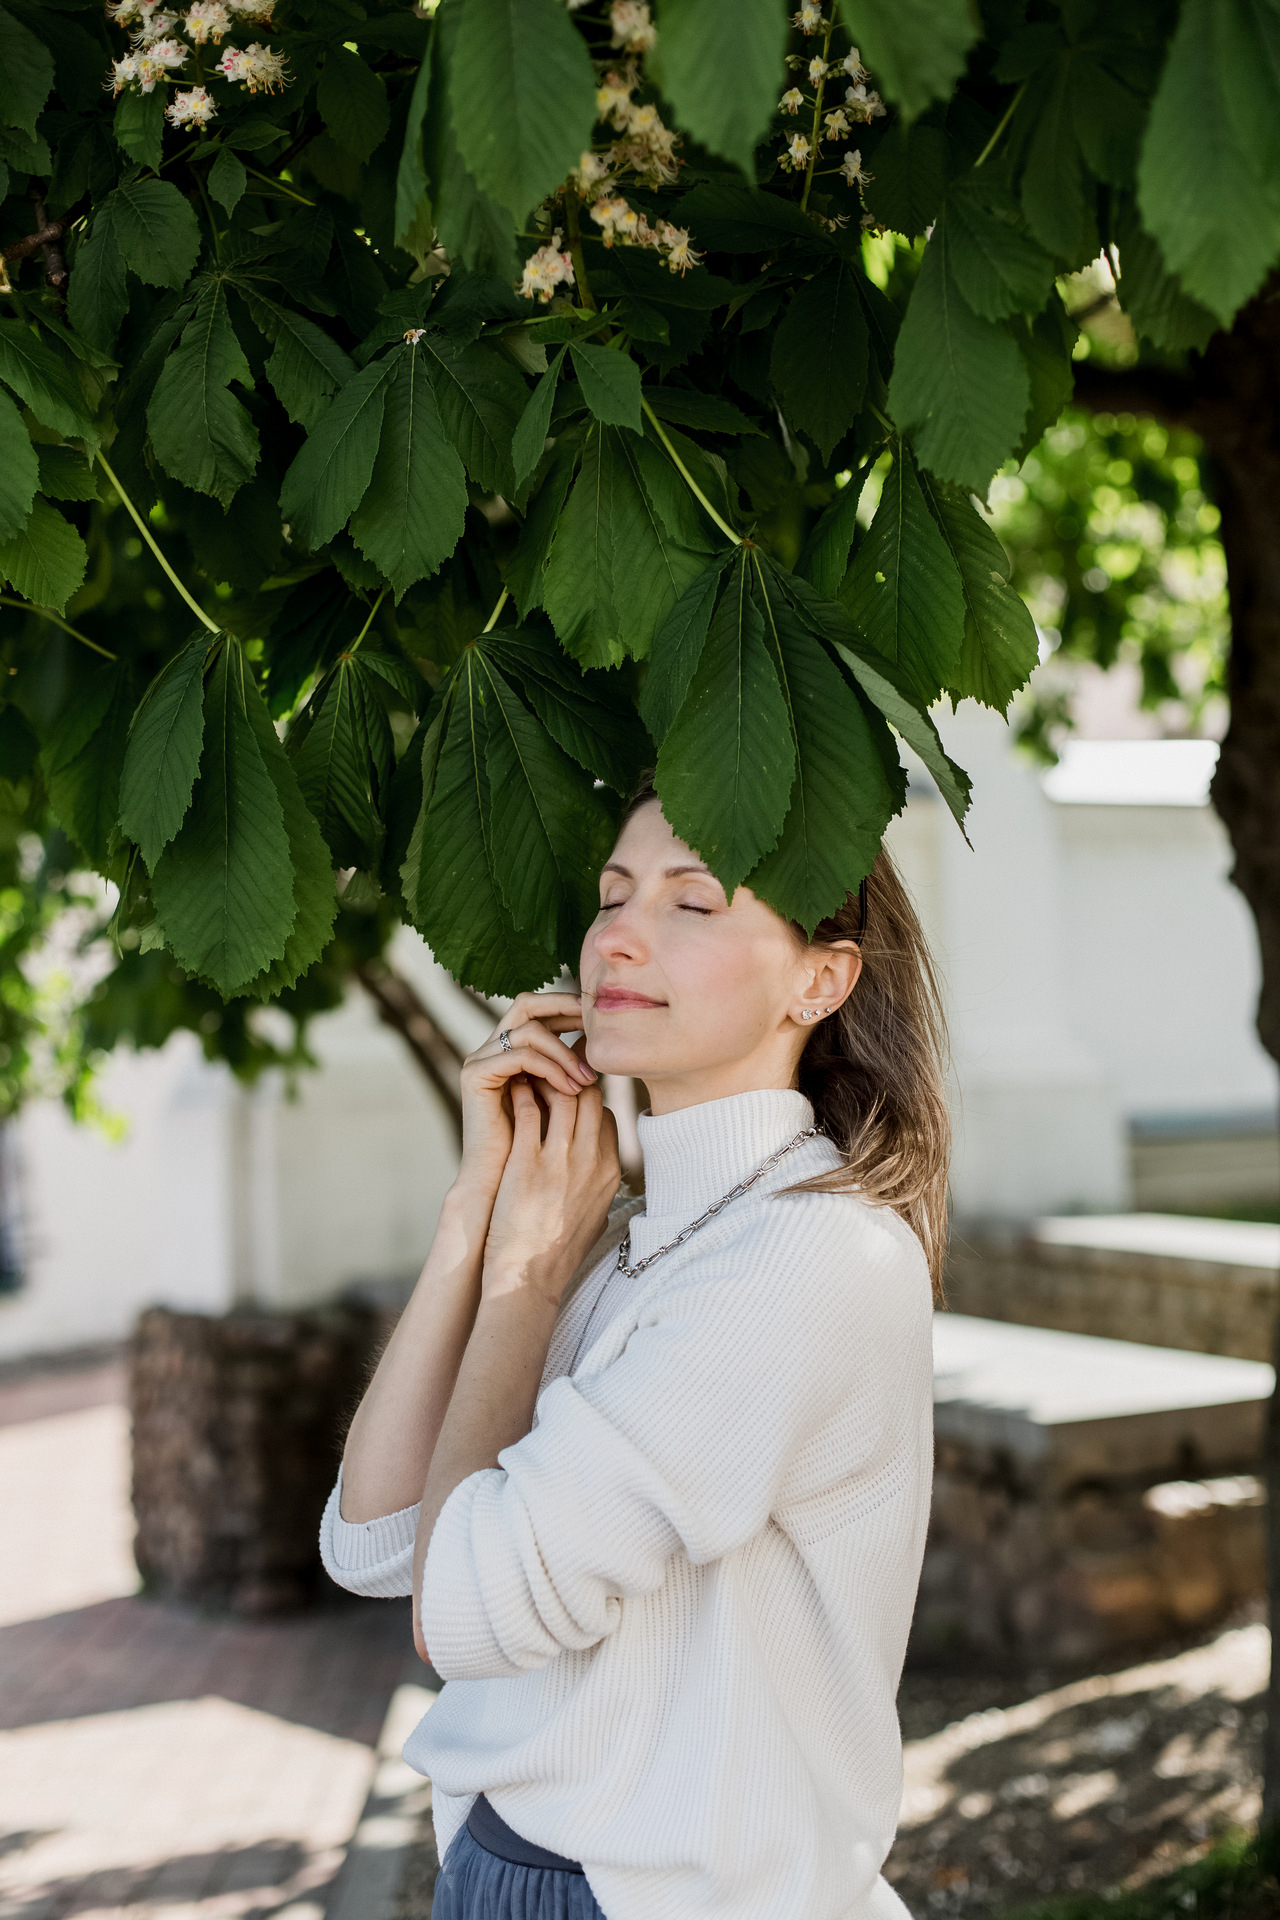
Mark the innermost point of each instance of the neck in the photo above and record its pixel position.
(670, 1092)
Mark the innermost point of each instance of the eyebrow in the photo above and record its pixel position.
(668, 873)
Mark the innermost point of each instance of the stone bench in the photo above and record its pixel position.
(1089, 1494)
(1210, 1286)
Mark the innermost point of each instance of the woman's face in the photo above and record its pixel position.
(697, 995)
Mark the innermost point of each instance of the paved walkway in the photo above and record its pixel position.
(156, 1765)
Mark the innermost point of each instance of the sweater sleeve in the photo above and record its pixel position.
(370, 1557)
(682, 1443)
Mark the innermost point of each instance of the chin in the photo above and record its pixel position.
(620, 1054)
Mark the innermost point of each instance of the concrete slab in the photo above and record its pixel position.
(1167, 1236)
(1073, 1405)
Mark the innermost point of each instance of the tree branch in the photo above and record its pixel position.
(1165, 396)
(401, 1008)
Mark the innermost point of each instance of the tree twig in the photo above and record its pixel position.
(149, 537)
(402, 1008)
(688, 478)
(25, 606)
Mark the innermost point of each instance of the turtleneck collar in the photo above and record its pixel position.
(693, 1157)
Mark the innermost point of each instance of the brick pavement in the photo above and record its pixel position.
(154, 1764)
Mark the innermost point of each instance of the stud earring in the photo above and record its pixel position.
(805, 1014)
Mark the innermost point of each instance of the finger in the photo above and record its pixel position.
(526, 1113)
(533, 1035)
(562, 1011)
(562, 1116)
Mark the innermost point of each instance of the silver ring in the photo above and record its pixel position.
(504, 1040)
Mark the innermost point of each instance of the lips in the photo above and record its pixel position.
(621, 999)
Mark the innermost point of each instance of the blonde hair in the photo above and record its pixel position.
(875, 1070)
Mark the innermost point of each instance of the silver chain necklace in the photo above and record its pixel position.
(718, 1206)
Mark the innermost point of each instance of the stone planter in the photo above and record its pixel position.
(237, 1431)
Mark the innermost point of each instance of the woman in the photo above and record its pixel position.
(668, 1470)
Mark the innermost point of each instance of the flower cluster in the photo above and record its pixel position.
(631, 26)
(860, 106)
(618, 220)
(157, 52)
(546, 270)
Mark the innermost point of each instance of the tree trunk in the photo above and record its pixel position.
(1231, 398)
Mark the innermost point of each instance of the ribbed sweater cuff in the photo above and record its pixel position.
(368, 1555)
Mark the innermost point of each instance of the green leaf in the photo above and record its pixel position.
(916, 49)
(525, 571)
(313, 891)
(64, 474)
(731, 218)
(669, 492)
(998, 269)
(910, 177)
(702, 411)
(550, 834)
(97, 297)
(412, 516)
(588, 714)
(1205, 197)
(825, 557)
(228, 180)
(523, 94)
(449, 884)
(481, 397)
(727, 764)
(886, 688)
(329, 478)
(81, 758)
(1045, 344)
(307, 367)
(139, 126)
(677, 649)
(903, 591)
(530, 436)
(614, 569)
(42, 380)
(1149, 293)
(413, 211)
(224, 887)
(819, 361)
(45, 562)
(719, 62)
(156, 230)
(842, 800)
(332, 766)
(199, 430)
(26, 75)
(959, 385)
(163, 754)
(19, 470)
(610, 383)
(1000, 647)
(1057, 206)
(352, 102)
(474, 228)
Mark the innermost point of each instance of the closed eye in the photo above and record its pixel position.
(686, 908)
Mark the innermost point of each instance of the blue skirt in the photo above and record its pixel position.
(475, 1884)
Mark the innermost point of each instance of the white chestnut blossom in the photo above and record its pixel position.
(192, 109)
(809, 19)
(207, 20)
(818, 70)
(852, 64)
(674, 242)
(649, 147)
(851, 169)
(154, 26)
(155, 61)
(544, 271)
(792, 100)
(613, 98)
(631, 26)
(863, 105)
(252, 10)
(616, 218)
(414, 334)
(260, 69)
(836, 124)
(797, 153)
(591, 172)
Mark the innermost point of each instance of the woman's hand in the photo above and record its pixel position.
(554, 1197)
(534, 1024)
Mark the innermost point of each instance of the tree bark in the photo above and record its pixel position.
(1231, 398)
(401, 1008)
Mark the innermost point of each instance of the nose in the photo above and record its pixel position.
(621, 936)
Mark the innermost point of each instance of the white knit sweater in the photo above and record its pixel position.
(672, 1621)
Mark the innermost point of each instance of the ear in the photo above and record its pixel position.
(829, 976)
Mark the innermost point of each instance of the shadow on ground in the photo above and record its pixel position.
(1018, 1790)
